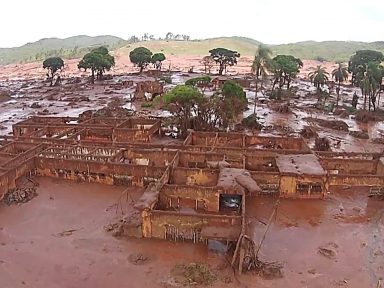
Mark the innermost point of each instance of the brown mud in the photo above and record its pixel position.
(58, 240)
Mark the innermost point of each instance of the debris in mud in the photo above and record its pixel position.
(377, 192)
(378, 140)
(308, 132)
(326, 252)
(322, 144)
(283, 108)
(252, 122)
(359, 134)
(269, 270)
(332, 124)
(35, 105)
(19, 195)
(364, 116)
(66, 232)
(193, 274)
(138, 258)
(117, 112)
(116, 229)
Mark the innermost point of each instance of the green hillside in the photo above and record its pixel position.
(245, 46)
(328, 50)
(71, 47)
(77, 46)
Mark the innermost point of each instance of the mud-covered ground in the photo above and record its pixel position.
(58, 239)
(24, 94)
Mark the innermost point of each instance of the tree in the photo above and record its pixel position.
(260, 65)
(358, 63)
(370, 83)
(202, 82)
(319, 77)
(224, 58)
(140, 57)
(53, 65)
(169, 36)
(234, 100)
(208, 63)
(340, 74)
(284, 68)
(98, 60)
(157, 60)
(183, 102)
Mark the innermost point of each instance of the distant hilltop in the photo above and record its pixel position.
(77, 46)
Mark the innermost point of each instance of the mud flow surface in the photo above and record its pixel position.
(58, 239)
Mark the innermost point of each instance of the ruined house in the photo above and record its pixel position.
(194, 191)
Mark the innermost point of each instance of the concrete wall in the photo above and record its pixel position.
(176, 193)
(193, 176)
(350, 166)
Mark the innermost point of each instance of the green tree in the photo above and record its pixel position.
(284, 68)
(234, 100)
(358, 63)
(201, 81)
(340, 74)
(319, 77)
(224, 58)
(53, 65)
(182, 102)
(370, 83)
(98, 61)
(259, 66)
(140, 57)
(157, 60)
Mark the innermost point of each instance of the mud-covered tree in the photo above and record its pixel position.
(319, 77)
(201, 82)
(370, 83)
(208, 63)
(98, 61)
(53, 65)
(234, 100)
(260, 66)
(224, 57)
(284, 68)
(340, 74)
(358, 63)
(183, 102)
(140, 57)
(157, 60)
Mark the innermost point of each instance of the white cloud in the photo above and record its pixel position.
(278, 21)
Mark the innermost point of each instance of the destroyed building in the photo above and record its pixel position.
(195, 190)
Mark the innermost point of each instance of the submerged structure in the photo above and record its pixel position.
(195, 190)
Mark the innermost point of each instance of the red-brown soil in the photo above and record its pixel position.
(58, 240)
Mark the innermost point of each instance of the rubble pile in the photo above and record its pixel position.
(19, 195)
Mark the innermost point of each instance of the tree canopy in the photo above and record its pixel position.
(285, 68)
(340, 74)
(53, 64)
(319, 77)
(157, 60)
(358, 62)
(140, 57)
(224, 57)
(370, 83)
(183, 102)
(98, 60)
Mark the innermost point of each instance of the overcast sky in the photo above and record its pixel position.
(269, 21)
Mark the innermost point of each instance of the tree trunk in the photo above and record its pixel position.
(51, 77)
(365, 101)
(141, 69)
(338, 95)
(93, 77)
(256, 80)
(221, 69)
